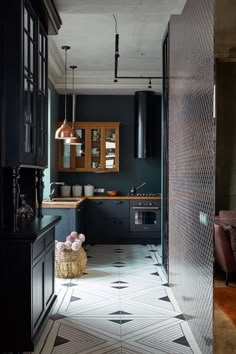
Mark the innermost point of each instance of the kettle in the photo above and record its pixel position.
(88, 190)
(133, 189)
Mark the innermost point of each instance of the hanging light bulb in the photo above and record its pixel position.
(64, 131)
(74, 138)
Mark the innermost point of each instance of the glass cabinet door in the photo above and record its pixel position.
(42, 122)
(79, 152)
(96, 135)
(66, 155)
(29, 147)
(110, 148)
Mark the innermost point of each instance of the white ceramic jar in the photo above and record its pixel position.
(65, 191)
(76, 190)
(88, 190)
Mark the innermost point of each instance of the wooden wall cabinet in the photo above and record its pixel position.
(99, 151)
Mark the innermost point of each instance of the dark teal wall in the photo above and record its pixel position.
(132, 171)
(54, 119)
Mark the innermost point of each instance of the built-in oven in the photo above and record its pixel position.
(145, 215)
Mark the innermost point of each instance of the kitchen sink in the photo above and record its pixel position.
(59, 201)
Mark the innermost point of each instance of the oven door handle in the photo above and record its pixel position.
(145, 208)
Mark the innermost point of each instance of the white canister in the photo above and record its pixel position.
(88, 190)
(77, 190)
(65, 191)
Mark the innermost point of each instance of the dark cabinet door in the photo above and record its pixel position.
(49, 275)
(28, 117)
(37, 293)
(96, 222)
(67, 223)
(117, 230)
(117, 220)
(117, 208)
(81, 219)
(25, 91)
(42, 102)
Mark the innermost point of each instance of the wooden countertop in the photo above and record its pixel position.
(71, 203)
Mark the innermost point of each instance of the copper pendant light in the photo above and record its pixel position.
(64, 131)
(74, 139)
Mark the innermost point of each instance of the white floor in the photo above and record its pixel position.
(121, 305)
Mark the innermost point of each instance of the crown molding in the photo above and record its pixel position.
(55, 63)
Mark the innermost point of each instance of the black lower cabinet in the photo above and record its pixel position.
(27, 291)
(108, 221)
(117, 230)
(96, 222)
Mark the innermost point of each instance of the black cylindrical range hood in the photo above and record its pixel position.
(145, 117)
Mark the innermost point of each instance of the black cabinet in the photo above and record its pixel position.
(27, 272)
(25, 63)
(117, 220)
(96, 221)
(81, 218)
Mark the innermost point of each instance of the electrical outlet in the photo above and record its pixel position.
(203, 218)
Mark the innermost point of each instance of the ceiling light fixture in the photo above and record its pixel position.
(64, 131)
(74, 139)
(117, 55)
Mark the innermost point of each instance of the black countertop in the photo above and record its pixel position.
(32, 229)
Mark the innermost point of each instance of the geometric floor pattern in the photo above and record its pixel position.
(121, 305)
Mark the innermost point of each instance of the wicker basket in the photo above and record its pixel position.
(69, 263)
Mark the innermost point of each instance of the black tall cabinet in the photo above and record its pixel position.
(27, 252)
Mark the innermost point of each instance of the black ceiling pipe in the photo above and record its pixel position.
(143, 124)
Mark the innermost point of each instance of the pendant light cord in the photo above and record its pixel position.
(65, 84)
(73, 67)
(65, 47)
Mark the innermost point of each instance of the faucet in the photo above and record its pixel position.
(52, 191)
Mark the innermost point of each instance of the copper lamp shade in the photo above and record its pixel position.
(73, 140)
(64, 131)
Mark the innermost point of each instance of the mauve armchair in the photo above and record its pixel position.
(225, 236)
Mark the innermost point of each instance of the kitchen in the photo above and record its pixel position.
(23, 173)
(132, 171)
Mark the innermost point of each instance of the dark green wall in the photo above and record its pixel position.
(132, 171)
(54, 119)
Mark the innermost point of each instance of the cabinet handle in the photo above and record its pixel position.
(117, 222)
(117, 202)
(98, 202)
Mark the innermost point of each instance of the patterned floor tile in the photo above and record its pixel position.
(121, 305)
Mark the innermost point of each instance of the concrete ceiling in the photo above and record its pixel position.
(88, 27)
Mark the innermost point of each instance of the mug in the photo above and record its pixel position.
(96, 135)
(94, 164)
